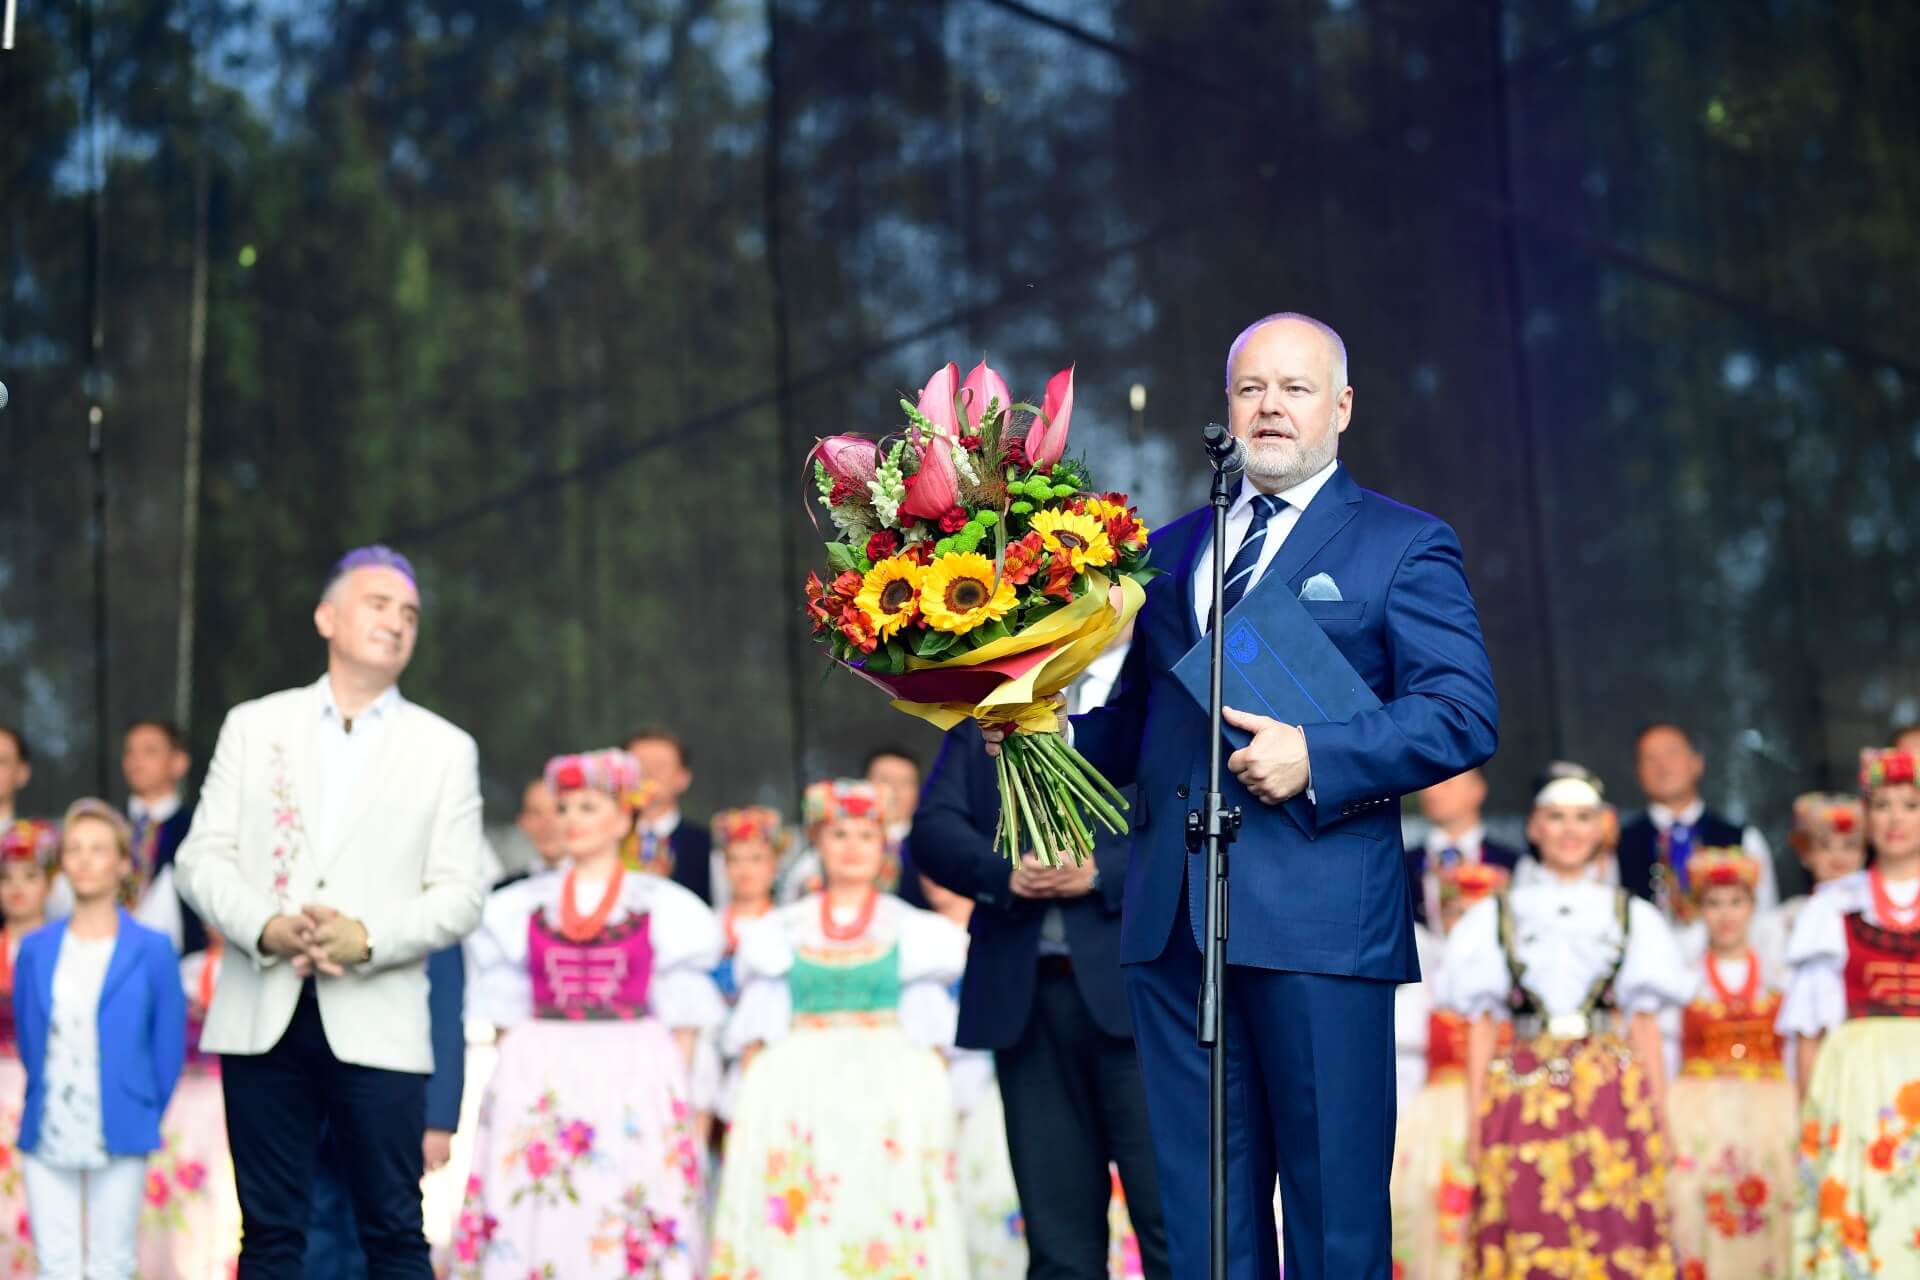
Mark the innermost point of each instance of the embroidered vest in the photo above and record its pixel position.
(820, 986)
(604, 979)
(1883, 971)
(1733, 1039)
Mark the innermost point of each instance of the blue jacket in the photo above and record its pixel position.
(446, 1006)
(953, 842)
(143, 1032)
(1314, 886)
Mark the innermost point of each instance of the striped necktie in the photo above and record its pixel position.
(1247, 559)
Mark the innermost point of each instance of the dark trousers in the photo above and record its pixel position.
(1074, 1102)
(333, 1236)
(1310, 1095)
(278, 1104)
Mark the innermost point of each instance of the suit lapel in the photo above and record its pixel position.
(1198, 540)
(43, 979)
(1329, 512)
(122, 962)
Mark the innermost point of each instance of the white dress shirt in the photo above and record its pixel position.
(1240, 521)
(143, 815)
(1766, 894)
(342, 751)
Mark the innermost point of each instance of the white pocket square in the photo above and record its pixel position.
(1320, 587)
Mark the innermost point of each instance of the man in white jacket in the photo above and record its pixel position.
(337, 842)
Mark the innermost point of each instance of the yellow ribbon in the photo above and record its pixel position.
(1078, 634)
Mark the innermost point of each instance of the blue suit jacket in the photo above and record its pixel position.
(447, 1007)
(143, 1033)
(953, 843)
(1315, 886)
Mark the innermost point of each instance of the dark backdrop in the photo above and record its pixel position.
(554, 295)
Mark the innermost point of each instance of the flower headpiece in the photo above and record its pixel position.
(1715, 868)
(1821, 813)
(755, 821)
(841, 798)
(29, 840)
(1885, 768)
(613, 771)
(1471, 881)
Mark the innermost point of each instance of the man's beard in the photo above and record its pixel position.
(1282, 464)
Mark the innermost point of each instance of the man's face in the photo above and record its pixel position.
(151, 764)
(13, 771)
(663, 767)
(1282, 401)
(1455, 802)
(540, 821)
(371, 620)
(898, 781)
(1669, 767)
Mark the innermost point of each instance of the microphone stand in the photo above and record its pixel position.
(1213, 827)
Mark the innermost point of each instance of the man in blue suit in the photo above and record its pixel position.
(1321, 923)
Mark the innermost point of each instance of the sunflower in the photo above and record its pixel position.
(958, 593)
(890, 594)
(1080, 539)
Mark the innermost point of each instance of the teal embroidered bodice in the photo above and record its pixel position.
(872, 986)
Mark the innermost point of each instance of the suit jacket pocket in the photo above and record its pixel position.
(1325, 611)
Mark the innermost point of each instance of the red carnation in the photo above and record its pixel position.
(971, 442)
(1017, 451)
(843, 491)
(954, 521)
(882, 544)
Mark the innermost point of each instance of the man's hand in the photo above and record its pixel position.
(1032, 879)
(334, 942)
(1274, 765)
(285, 936)
(995, 734)
(437, 1147)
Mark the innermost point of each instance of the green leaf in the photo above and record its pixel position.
(889, 659)
(842, 558)
(995, 630)
(932, 644)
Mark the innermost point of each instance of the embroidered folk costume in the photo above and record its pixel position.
(841, 1160)
(1854, 985)
(1733, 1111)
(1570, 1171)
(34, 843)
(586, 1162)
(1432, 1188)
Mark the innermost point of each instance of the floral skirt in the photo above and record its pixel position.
(16, 1234)
(1432, 1189)
(1571, 1180)
(996, 1233)
(1859, 1163)
(1732, 1181)
(584, 1164)
(190, 1222)
(841, 1162)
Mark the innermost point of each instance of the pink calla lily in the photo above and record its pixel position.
(982, 388)
(936, 399)
(934, 490)
(1047, 437)
(849, 458)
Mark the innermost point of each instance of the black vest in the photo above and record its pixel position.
(1640, 849)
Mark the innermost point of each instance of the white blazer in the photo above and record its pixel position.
(409, 863)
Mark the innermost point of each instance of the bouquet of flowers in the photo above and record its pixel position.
(974, 573)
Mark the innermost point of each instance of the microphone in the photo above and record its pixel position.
(1225, 450)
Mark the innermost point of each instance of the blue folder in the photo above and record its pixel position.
(1279, 663)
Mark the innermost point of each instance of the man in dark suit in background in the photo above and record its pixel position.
(1655, 845)
(1043, 991)
(669, 845)
(333, 1239)
(1455, 837)
(154, 761)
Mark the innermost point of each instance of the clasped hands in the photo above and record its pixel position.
(318, 940)
(1034, 879)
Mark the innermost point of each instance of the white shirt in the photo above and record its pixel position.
(1096, 683)
(662, 827)
(341, 758)
(1766, 894)
(139, 811)
(1240, 522)
(71, 1136)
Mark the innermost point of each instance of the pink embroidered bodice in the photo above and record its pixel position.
(606, 978)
